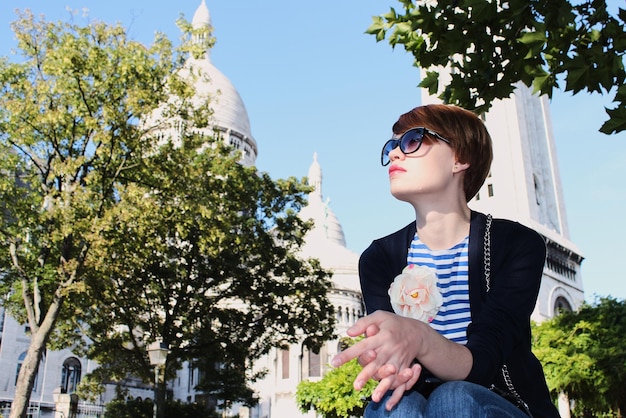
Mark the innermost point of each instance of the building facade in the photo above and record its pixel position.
(288, 367)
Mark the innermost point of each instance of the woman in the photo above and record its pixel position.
(462, 286)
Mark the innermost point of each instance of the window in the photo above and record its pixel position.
(561, 305)
(338, 316)
(70, 375)
(235, 142)
(284, 358)
(315, 366)
(538, 192)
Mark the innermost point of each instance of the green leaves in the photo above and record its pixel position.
(202, 252)
(377, 28)
(123, 223)
(72, 134)
(334, 396)
(534, 41)
(492, 46)
(584, 356)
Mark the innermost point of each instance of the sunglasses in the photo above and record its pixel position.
(409, 142)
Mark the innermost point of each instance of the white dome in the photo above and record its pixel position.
(229, 112)
(201, 17)
(325, 241)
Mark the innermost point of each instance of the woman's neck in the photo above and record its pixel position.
(442, 229)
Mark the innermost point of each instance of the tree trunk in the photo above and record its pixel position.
(28, 371)
(564, 405)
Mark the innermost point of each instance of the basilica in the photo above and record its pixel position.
(523, 185)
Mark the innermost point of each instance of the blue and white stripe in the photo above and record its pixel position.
(452, 280)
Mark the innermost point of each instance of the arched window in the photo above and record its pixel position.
(284, 360)
(70, 375)
(561, 305)
(315, 365)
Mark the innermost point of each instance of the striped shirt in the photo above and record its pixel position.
(452, 281)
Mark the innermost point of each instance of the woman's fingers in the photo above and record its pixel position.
(417, 371)
(354, 351)
(382, 354)
(366, 357)
(374, 370)
(383, 386)
(395, 397)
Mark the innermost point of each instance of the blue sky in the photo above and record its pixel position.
(312, 81)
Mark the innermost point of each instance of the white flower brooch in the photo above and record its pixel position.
(414, 293)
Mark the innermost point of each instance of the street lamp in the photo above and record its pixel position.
(157, 352)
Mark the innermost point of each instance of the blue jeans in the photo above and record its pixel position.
(458, 399)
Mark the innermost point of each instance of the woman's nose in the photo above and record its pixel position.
(396, 154)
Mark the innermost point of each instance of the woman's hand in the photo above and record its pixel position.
(391, 346)
(387, 354)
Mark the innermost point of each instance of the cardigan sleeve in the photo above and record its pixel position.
(378, 266)
(500, 327)
(374, 279)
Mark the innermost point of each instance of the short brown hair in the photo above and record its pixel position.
(466, 132)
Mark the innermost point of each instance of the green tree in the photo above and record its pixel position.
(136, 408)
(70, 129)
(584, 356)
(81, 151)
(203, 255)
(334, 396)
(490, 46)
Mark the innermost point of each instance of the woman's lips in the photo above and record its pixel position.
(395, 169)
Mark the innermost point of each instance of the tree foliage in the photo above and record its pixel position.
(70, 129)
(584, 356)
(201, 252)
(490, 46)
(112, 228)
(137, 408)
(334, 396)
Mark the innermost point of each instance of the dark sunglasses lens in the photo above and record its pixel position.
(389, 146)
(411, 141)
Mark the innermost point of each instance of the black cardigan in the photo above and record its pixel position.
(500, 329)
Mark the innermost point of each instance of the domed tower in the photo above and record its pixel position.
(229, 118)
(326, 242)
(289, 366)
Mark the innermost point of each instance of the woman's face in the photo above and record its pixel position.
(430, 174)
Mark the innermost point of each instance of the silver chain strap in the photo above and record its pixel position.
(509, 385)
(487, 265)
(487, 253)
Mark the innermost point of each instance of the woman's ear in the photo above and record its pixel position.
(458, 167)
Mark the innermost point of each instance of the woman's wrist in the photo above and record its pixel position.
(444, 358)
